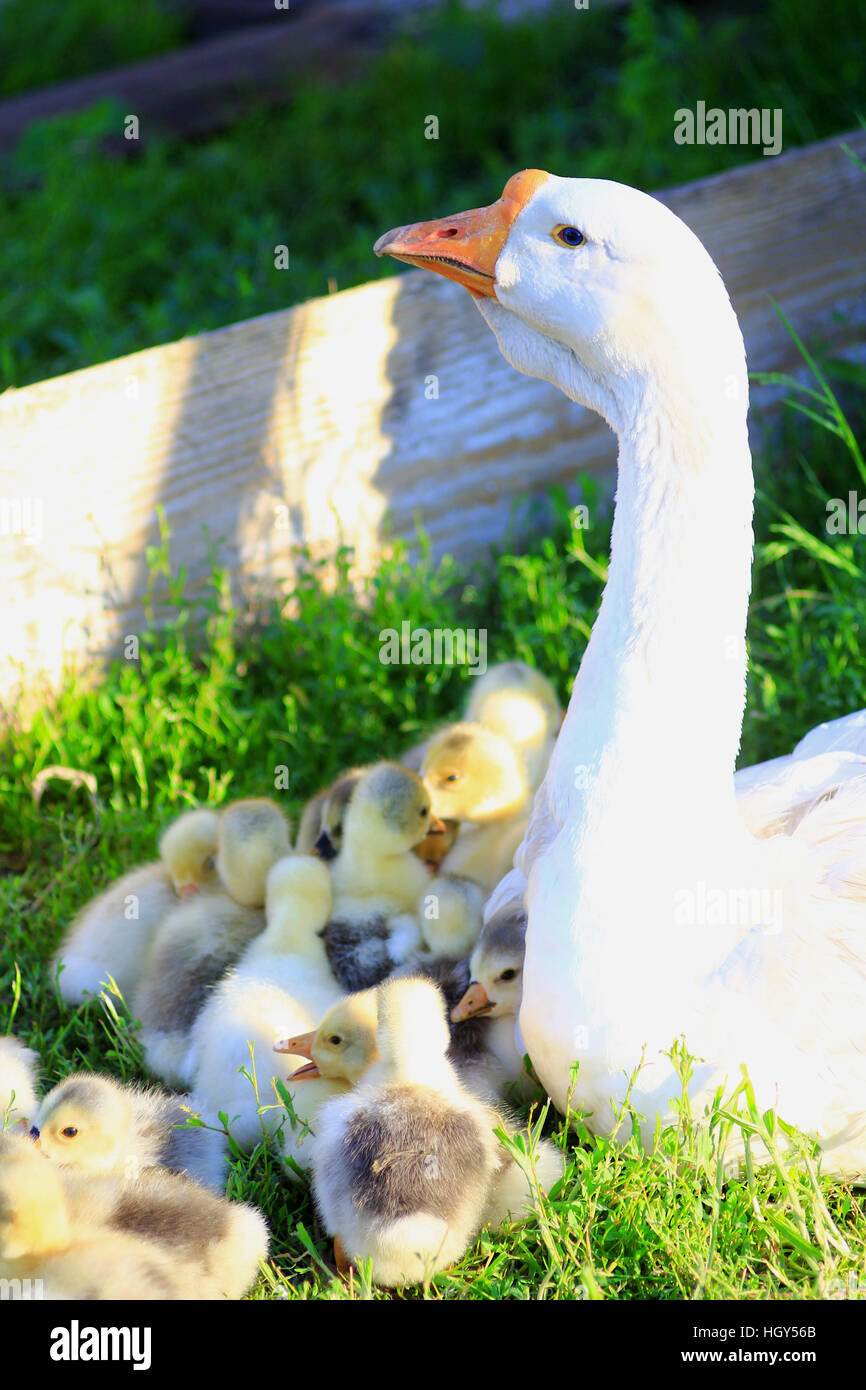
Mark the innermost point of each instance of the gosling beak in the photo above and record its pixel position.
(323, 847)
(186, 891)
(465, 247)
(301, 1046)
(437, 826)
(473, 1004)
(305, 1073)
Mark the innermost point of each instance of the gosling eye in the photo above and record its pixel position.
(209, 864)
(452, 777)
(69, 1132)
(335, 1040)
(425, 811)
(507, 975)
(337, 829)
(569, 236)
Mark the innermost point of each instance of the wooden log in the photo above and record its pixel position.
(320, 423)
(199, 88)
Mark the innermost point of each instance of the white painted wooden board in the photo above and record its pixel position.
(313, 424)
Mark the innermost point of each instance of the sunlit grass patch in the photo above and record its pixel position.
(214, 704)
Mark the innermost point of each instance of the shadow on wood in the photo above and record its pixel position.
(320, 424)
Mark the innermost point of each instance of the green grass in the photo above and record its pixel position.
(102, 256)
(214, 705)
(44, 43)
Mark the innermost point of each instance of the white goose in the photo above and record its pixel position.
(653, 911)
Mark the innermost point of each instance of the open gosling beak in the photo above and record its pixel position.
(464, 247)
(473, 1004)
(307, 1073)
(301, 1046)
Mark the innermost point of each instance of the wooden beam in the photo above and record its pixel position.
(199, 88)
(390, 401)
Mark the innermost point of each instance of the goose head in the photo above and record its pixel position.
(187, 848)
(343, 1045)
(253, 835)
(591, 285)
(86, 1122)
(496, 969)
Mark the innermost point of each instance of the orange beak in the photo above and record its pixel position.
(301, 1046)
(186, 891)
(465, 247)
(306, 1073)
(473, 1003)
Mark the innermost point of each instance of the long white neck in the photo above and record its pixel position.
(658, 703)
(642, 774)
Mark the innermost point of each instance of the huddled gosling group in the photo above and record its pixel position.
(363, 950)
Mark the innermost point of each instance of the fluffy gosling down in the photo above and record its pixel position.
(112, 934)
(18, 1103)
(321, 829)
(477, 777)
(96, 1126)
(520, 704)
(75, 1258)
(496, 988)
(378, 881)
(451, 913)
(407, 1167)
(282, 985)
(227, 1240)
(200, 940)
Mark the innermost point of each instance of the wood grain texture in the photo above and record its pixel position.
(314, 424)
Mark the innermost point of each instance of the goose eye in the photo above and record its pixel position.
(569, 236)
(69, 1132)
(508, 975)
(335, 1040)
